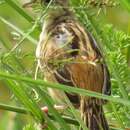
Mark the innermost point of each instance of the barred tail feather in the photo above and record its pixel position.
(93, 116)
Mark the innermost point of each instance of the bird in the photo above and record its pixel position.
(68, 54)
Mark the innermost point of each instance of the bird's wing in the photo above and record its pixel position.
(88, 46)
(107, 83)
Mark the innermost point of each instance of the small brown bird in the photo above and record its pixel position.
(69, 55)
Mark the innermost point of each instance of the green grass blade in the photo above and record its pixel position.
(18, 30)
(22, 95)
(125, 4)
(63, 88)
(46, 99)
(29, 103)
(20, 10)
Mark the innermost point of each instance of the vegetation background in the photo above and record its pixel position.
(19, 33)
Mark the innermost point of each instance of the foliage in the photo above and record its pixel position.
(18, 63)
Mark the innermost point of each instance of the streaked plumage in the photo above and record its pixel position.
(69, 55)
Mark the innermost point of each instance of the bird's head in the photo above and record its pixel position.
(56, 7)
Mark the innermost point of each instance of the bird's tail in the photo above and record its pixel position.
(93, 116)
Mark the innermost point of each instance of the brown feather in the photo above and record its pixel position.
(69, 55)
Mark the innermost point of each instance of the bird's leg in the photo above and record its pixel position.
(45, 109)
(59, 108)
